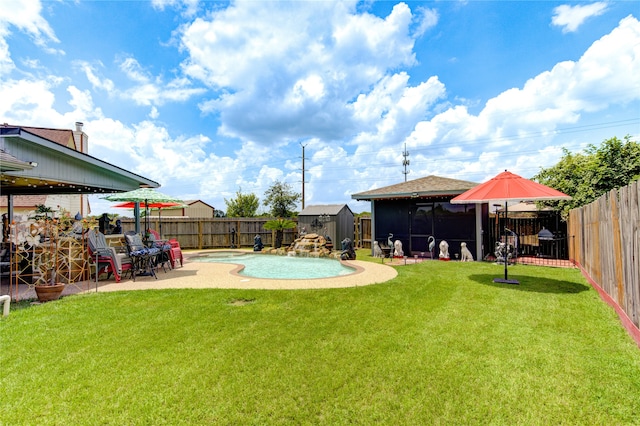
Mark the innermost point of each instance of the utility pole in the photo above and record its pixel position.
(302, 174)
(405, 162)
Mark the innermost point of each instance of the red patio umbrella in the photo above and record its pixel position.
(151, 205)
(507, 187)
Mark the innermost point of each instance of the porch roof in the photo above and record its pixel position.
(41, 161)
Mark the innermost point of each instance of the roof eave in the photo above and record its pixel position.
(407, 195)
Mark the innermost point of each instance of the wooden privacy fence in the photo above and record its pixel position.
(605, 241)
(205, 233)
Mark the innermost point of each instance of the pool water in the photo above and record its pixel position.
(282, 267)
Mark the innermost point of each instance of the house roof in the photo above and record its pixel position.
(60, 136)
(55, 166)
(24, 200)
(330, 209)
(192, 202)
(10, 163)
(429, 186)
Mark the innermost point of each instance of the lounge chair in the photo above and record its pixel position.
(107, 257)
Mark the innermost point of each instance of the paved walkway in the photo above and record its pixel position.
(218, 275)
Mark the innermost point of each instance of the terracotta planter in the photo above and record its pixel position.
(47, 293)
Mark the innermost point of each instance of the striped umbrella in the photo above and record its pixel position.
(145, 197)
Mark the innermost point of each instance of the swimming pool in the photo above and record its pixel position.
(279, 267)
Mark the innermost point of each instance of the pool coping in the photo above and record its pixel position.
(224, 275)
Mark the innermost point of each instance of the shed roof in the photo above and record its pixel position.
(429, 186)
(330, 209)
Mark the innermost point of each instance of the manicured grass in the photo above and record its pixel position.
(440, 344)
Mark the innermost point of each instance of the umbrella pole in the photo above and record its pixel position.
(506, 246)
(136, 213)
(506, 241)
(147, 218)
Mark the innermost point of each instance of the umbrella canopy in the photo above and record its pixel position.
(145, 197)
(158, 205)
(507, 187)
(150, 205)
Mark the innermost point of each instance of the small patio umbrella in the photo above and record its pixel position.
(508, 187)
(144, 196)
(152, 205)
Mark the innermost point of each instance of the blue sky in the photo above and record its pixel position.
(209, 98)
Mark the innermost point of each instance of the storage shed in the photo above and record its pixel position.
(332, 220)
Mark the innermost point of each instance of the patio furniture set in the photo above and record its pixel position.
(131, 253)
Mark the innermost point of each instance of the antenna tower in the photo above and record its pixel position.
(405, 162)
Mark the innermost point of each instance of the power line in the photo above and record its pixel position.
(303, 181)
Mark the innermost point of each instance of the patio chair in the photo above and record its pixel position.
(144, 258)
(175, 254)
(163, 258)
(107, 257)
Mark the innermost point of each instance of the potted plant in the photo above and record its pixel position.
(43, 238)
(52, 289)
(46, 232)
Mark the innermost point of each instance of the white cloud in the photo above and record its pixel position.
(188, 7)
(33, 101)
(147, 89)
(388, 113)
(425, 18)
(26, 17)
(338, 79)
(290, 70)
(606, 74)
(134, 71)
(91, 74)
(571, 17)
(150, 90)
(6, 63)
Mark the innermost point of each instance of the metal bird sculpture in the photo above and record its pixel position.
(432, 244)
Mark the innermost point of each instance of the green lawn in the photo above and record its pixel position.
(440, 344)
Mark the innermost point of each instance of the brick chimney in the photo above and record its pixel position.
(80, 138)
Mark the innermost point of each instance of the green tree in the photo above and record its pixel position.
(279, 225)
(244, 205)
(281, 199)
(586, 176)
